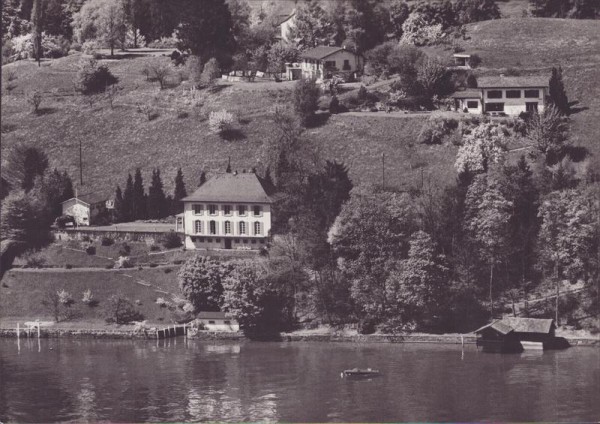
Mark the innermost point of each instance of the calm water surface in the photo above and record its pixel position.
(124, 381)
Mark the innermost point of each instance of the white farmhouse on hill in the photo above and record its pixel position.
(229, 211)
(86, 207)
(504, 95)
(325, 61)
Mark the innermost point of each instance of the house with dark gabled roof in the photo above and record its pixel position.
(504, 95)
(86, 208)
(229, 211)
(324, 62)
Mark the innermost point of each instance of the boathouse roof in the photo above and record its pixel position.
(529, 325)
(520, 325)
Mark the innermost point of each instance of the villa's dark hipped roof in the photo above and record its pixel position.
(244, 188)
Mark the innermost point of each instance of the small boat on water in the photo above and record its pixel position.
(360, 373)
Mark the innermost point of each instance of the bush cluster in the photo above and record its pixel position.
(171, 241)
(92, 78)
(220, 122)
(435, 130)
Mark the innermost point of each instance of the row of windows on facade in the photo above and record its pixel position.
(242, 228)
(213, 210)
(513, 94)
(218, 240)
(499, 107)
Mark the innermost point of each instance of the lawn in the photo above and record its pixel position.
(116, 141)
(22, 293)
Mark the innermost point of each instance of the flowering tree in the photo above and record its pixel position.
(486, 144)
(418, 31)
(220, 121)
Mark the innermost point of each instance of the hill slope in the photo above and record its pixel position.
(116, 141)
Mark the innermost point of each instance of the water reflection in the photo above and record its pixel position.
(128, 381)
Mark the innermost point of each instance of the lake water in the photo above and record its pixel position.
(124, 381)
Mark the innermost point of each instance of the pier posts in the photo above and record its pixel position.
(18, 331)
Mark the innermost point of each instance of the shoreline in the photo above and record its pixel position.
(130, 334)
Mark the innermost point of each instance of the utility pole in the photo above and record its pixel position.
(383, 171)
(80, 163)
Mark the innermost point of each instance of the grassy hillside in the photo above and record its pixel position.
(533, 46)
(23, 292)
(116, 141)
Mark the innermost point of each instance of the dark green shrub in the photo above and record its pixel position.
(107, 241)
(68, 266)
(171, 240)
(334, 105)
(125, 250)
(90, 250)
(92, 78)
(110, 266)
(474, 61)
(367, 325)
(153, 265)
(154, 248)
(168, 270)
(120, 310)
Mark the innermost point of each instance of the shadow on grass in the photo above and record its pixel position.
(217, 88)
(7, 128)
(318, 119)
(245, 121)
(573, 110)
(234, 134)
(576, 153)
(45, 111)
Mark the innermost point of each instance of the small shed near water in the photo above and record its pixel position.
(218, 321)
(513, 334)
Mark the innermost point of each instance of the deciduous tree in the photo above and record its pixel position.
(487, 220)
(201, 282)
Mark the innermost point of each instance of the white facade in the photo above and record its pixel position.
(219, 324)
(226, 225)
(84, 213)
(513, 101)
(286, 26)
(343, 61)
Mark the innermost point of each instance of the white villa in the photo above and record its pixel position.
(286, 25)
(504, 95)
(325, 61)
(229, 211)
(86, 207)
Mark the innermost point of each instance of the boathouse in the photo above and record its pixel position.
(218, 321)
(514, 334)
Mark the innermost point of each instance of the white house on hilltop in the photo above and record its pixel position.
(325, 61)
(229, 211)
(504, 95)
